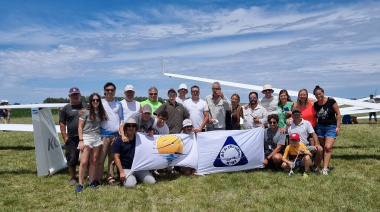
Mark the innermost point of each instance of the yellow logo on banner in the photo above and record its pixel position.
(169, 145)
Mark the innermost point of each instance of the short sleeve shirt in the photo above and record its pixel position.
(69, 116)
(126, 151)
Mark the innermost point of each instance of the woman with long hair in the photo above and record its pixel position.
(328, 125)
(89, 139)
(236, 112)
(285, 105)
(306, 106)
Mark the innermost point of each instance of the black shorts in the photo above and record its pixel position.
(72, 151)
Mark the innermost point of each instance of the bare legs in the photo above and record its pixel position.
(88, 154)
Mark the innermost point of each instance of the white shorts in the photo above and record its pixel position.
(92, 140)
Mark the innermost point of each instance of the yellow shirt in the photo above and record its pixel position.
(294, 151)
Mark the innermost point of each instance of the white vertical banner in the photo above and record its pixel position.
(230, 150)
(49, 155)
(161, 151)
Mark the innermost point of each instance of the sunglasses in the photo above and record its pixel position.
(272, 122)
(95, 100)
(267, 90)
(252, 98)
(109, 90)
(162, 119)
(153, 94)
(131, 125)
(194, 91)
(172, 93)
(189, 126)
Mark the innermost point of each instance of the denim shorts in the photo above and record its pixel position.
(326, 131)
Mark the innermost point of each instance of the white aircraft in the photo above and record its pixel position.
(355, 106)
(49, 155)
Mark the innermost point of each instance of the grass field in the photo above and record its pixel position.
(353, 183)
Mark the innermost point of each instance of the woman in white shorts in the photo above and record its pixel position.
(89, 139)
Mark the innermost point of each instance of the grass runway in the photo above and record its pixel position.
(352, 185)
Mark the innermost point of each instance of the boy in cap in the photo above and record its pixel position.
(145, 121)
(298, 154)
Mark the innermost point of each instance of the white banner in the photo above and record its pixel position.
(162, 151)
(229, 151)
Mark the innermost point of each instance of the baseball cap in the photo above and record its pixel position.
(294, 136)
(187, 122)
(147, 109)
(129, 88)
(172, 89)
(73, 90)
(296, 111)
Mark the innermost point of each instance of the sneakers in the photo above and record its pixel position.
(73, 181)
(79, 188)
(305, 175)
(93, 186)
(97, 183)
(325, 171)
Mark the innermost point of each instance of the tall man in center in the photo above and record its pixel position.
(109, 130)
(218, 105)
(176, 112)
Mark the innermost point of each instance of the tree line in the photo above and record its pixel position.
(85, 99)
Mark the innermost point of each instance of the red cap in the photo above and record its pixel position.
(294, 136)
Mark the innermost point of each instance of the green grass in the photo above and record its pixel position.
(353, 184)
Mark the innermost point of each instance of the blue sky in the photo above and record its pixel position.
(46, 47)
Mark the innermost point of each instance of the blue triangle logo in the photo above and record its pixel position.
(230, 155)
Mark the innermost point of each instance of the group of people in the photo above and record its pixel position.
(5, 113)
(108, 127)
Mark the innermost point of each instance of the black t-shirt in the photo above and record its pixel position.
(69, 115)
(325, 113)
(126, 151)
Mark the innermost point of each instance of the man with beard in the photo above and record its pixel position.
(254, 115)
(124, 154)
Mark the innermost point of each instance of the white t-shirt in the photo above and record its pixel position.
(114, 112)
(270, 105)
(130, 108)
(196, 109)
(160, 131)
(304, 129)
(177, 99)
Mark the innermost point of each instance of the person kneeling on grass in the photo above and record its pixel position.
(298, 155)
(124, 154)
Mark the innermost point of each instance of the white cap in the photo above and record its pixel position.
(129, 88)
(187, 122)
(182, 86)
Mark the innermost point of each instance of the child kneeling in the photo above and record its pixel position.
(298, 155)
